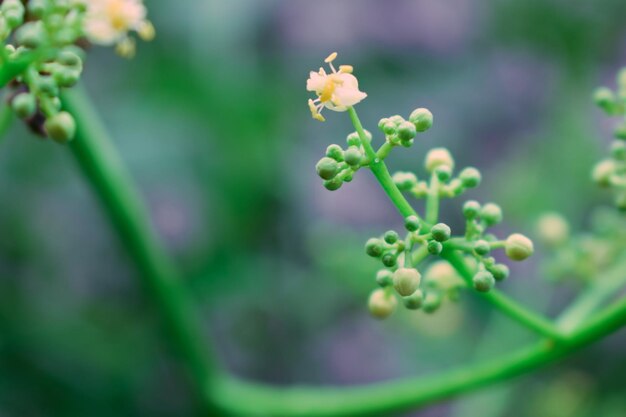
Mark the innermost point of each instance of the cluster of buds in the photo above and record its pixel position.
(339, 165)
(611, 172)
(399, 131)
(44, 52)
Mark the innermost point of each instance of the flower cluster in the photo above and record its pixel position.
(425, 236)
(44, 52)
(611, 172)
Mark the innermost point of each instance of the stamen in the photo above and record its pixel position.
(346, 69)
(330, 58)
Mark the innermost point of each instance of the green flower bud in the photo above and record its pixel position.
(434, 247)
(389, 128)
(381, 304)
(602, 172)
(471, 209)
(5, 30)
(605, 99)
(391, 237)
(518, 247)
(491, 213)
(69, 58)
(432, 302)
(620, 201)
(437, 157)
(24, 105)
(61, 127)
(353, 139)
(382, 122)
(422, 119)
(333, 184)
(389, 260)
(384, 278)
(443, 276)
(443, 172)
(412, 223)
(483, 281)
(499, 271)
(335, 152)
(470, 177)
(620, 131)
(414, 301)
(327, 168)
(441, 232)
(30, 35)
(400, 246)
(374, 247)
(406, 280)
(481, 247)
(404, 180)
(553, 229)
(406, 131)
(618, 150)
(396, 119)
(13, 11)
(66, 77)
(353, 156)
(37, 8)
(47, 85)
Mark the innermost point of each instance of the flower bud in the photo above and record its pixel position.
(412, 223)
(37, 8)
(518, 247)
(443, 172)
(335, 152)
(553, 229)
(352, 156)
(353, 139)
(391, 237)
(384, 278)
(470, 177)
(432, 302)
(620, 131)
(333, 184)
(47, 85)
(389, 260)
(13, 11)
(30, 35)
(374, 247)
(499, 271)
(381, 124)
(404, 180)
(441, 232)
(406, 131)
(381, 304)
(24, 105)
(443, 276)
(406, 280)
(471, 209)
(437, 157)
(434, 247)
(602, 172)
(618, 150)
(491, 213)
(481, 247)
(422, 119)
(327, 168)
(66, 77)
(61, 127)
(604, 98)
(414, 301)
(483, 281)
(620, 200)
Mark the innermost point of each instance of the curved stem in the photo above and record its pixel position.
(104, 169)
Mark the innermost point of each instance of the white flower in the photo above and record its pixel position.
(108, 22)
(336, 91)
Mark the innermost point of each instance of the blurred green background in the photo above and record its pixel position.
(212, 120)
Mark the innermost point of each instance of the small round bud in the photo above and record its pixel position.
(443, 172)
(353, 139)
(618, 150)
(37, 8)
(374, 247)
(518, 247)
(499, 271)
(620, 201)
(327, 168)
(30, 35)
(471, 209)
(432, 302)
(24, 105)
(352, 156)
(381, 304)
(406, 281)
(470, 177)
(396, 119)
(620, 131)
(47, 85)
(491, 213)
(335, 152)
(406, 131)
(602, 172)
(389, 260)
(69, 58)
(61, 127)
(604, 98)
(400, 246)
(384, 278)
(412, 223)
(382, 122)
(553, 229)
(404, 180)
(389, 128)
(66, 77)
(481, 247)
(414, 301)
(483, 281)
(434, 247)
(422, 119)
(333, 184)
(391, 237)
(438, 157)
(441, 232)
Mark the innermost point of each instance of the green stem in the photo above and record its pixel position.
(508, 306)
(432, 200)
(104, 169)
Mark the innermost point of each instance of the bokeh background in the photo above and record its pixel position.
(212, 120)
